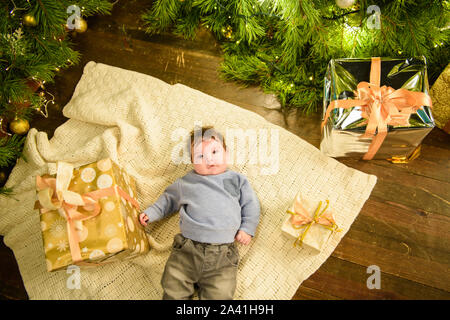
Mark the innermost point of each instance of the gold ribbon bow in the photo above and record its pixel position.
(54, 194)
(381, 106)
(301, 219)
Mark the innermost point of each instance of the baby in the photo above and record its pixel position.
(217, 206)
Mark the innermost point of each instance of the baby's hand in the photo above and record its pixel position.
(143, 219)
(243, 237)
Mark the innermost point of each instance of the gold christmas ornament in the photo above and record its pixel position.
(29, 20)
(345, 3)
(19, 126)
(81, 25)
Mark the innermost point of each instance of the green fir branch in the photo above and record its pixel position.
(10, 149)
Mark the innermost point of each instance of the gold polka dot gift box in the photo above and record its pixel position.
(89, 215)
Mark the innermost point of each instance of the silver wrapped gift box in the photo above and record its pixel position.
(343, 128)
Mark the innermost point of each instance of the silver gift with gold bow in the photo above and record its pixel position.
(342, 136)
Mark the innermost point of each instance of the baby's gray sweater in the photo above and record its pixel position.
(212, 207)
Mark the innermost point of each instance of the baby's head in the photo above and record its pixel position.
(208, 151)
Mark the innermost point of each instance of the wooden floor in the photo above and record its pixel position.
(404, 226)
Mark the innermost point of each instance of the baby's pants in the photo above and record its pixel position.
(211, 267)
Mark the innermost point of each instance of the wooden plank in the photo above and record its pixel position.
(398, 264)
(11, 284)
(409, 221)
(198, 70)
(398, 186)
(430, 251)
(12, 292)
(407, 237)
(340, 279)
(412, 196)
(308, 293)
(432, 163)
(401, 176)
(378, 226)
(438, 138)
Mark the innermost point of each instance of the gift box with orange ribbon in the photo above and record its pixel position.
(89, 215)
(309, 223)
(376, 108)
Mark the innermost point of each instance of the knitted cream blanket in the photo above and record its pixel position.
(140, 122)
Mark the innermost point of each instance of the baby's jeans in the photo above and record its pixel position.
(211, 267)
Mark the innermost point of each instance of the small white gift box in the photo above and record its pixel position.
(309, 222)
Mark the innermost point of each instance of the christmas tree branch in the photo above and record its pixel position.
(340, 16)
(10, 149)
(6, 191)
(412, 34)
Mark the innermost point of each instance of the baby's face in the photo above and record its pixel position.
(209, 157)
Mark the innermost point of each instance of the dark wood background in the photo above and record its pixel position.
(404, 226)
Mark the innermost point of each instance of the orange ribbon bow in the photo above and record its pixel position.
(381, 106)
(301, 218)
(54, 194)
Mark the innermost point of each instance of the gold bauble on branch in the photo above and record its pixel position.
(345, 3)
(19, 126)
(29, 20)
(80, 25)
